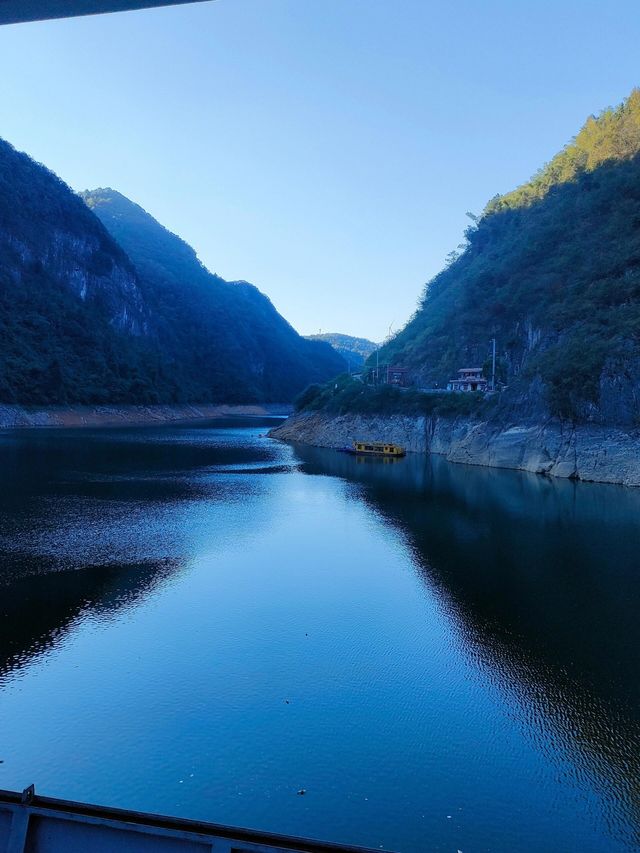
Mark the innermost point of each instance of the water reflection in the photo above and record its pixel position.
(88, 526)
(82, 500)
(458, 645)
(37, 612)
(542, 580)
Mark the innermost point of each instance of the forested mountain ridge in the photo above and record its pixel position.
(81, 323)
(44, 227)
(224, 340)
(552, 271)
(613, 135)
(354, 350)
(72, 317)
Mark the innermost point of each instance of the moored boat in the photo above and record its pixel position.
(375, 448)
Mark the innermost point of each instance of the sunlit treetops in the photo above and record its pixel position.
(612, 135)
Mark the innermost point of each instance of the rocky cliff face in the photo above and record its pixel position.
(74, 325)
(583, 452)
(46, 231)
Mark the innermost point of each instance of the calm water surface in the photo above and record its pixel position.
(201, 621)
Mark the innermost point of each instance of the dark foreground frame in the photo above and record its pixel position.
(19, 11)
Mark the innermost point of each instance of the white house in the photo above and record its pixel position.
(469, 379)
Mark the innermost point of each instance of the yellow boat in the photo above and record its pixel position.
(375, 448)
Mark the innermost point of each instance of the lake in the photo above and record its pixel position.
(197, 620)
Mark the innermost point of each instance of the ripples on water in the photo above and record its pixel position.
(201, 621)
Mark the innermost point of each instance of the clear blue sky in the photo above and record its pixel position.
(325, 150)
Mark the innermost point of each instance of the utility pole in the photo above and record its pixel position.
(493, 365)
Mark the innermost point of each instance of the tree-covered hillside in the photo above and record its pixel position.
(72, 318)
(355, 351)
(222, 340)
(552, 271)
(80, 323)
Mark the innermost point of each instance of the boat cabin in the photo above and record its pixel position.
(377, 448)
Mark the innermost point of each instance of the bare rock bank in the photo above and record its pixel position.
(14, 417)
(586, 452)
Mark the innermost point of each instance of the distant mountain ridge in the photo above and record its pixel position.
(223, 339)
(354, 350)
(86, 319)
(552, 271)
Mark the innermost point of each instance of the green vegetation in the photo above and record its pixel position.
(112, 307)
(54, 349)
(79, 323)
(354, 350)
(552, 270)
(63, 284)
(348, 396)
(613, 135)
(224, 341)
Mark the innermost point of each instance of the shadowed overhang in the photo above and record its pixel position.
(18, 11)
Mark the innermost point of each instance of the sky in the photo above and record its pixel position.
(325, 150)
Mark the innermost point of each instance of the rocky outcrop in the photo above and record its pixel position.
(80, 264)
(323, 430)
(48, 234)
(585, 452)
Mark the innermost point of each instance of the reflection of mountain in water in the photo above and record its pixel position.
(37, 612)
(541, 580)
(92, 523)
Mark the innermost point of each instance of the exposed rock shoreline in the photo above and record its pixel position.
(15, 417)
(586, 452)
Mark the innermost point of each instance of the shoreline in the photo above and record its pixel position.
(588, 452)
(73, 417)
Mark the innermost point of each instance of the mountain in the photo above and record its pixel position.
(73, 321)
(222, 340)
(552, 271)
(84, 319)
(354, 350)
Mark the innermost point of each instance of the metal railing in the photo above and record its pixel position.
(47, 825)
